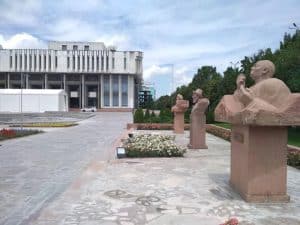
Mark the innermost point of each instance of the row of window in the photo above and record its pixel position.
(75, 47)
(115, 90)
(33, 62)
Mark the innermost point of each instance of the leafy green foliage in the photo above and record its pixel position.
(165, 116)
(138, 116)
(214, 85)
(147, 116)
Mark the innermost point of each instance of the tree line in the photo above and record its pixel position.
(215, 85)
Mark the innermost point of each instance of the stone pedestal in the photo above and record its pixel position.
(197, 132)
(258, 163)
(178, 123)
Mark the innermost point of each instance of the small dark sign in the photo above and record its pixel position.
(239, 137)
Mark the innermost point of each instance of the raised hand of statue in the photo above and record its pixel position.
(245, 95)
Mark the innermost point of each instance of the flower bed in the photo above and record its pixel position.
(147, 145)
(15, 133)
(154, 126)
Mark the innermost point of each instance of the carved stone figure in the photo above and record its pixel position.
(259, 116)
(178, 110)
(198, 121)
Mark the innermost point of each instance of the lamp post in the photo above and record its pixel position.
(21, 101)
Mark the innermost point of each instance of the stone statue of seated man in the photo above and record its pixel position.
(268, 102)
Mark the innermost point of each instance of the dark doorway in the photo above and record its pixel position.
(74, 93)
(92, 96)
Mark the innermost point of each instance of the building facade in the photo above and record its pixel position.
(147, 94)
(92, 74)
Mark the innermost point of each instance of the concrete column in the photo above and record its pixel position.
(76, 62)
(81, 61)
(110, 91)
(131, 96)
(82, 91)
(8, 80)
(64, 81)
(101, 91)
(90, 63)
(13, 60)
(104, 61)
(46, 81)
(47, 61)
(120, 91)
(27, 81)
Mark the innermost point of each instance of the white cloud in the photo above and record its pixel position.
(183, 76)
(71, 29)
(24, 13)
(79, 6)
(121, 41)
(22, 40)
(155, 70)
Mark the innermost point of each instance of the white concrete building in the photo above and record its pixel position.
(90, 73)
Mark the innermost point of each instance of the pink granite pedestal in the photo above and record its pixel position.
(258, 163)
(197, 132)
(178, 123)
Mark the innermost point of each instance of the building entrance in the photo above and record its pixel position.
(74, 96)
(92, 96)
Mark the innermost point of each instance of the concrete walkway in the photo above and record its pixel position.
(34, 170)
(166, 191)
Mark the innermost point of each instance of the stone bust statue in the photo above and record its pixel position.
(268, 102)
(181, 105)
(200, 103)
(198, 121)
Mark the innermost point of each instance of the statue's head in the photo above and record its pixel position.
(197, 95)
(179, 97)
(261, 70)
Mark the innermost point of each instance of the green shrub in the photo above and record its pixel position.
(148, 145)
(165, 116)
(210, 117)
(187, 114)
(147, 116)
(138, 116)
(154, 118)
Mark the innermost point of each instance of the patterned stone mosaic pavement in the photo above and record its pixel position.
(189, 190)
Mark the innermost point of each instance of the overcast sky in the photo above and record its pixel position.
(179, 34)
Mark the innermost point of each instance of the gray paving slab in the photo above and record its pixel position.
(34, 170)
(178, 191)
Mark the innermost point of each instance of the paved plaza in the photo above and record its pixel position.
(37, 169)
(165, 191)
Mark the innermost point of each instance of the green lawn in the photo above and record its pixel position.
(293, 133)
(294, 136)
(224, 125)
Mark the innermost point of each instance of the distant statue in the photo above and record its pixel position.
(198, 121)
(259, 116)
(179, 110)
